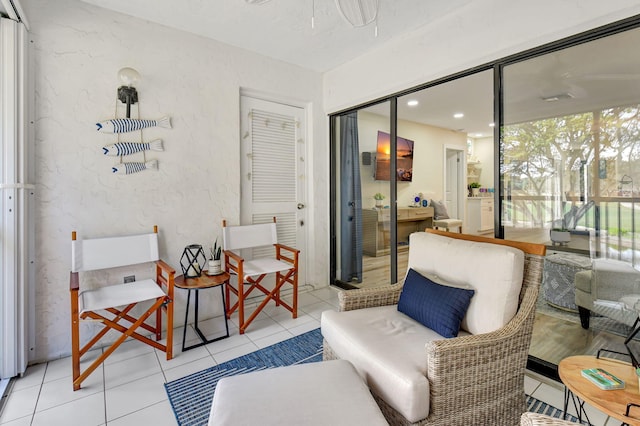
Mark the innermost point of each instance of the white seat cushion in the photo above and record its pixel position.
(264, 266)
(319, 393)
(447, 223)
(388, 350)
(119, 295)
(494, 271)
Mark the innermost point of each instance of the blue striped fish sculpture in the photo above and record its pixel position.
(128, 168)
(126, 148)
(124, 125)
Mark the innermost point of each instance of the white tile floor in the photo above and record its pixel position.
(128, 388)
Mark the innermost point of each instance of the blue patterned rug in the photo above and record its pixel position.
(537, 406)
(191, 396)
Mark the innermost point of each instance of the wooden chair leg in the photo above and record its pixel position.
(75, 330)
(169, 344)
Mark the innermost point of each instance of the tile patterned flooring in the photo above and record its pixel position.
(128, 388)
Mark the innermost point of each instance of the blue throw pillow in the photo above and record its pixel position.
(440, 308)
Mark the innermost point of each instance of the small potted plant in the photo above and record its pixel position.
(560, 236)
(475, 188)
(379, 197)
(215, 264)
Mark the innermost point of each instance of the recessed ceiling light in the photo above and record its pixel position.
(458, 115)
(492, 124)
(412, 102)
(478, 135)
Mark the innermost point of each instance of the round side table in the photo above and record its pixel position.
(199, 283)
(620, 404)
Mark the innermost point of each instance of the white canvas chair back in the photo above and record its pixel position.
(247, 236)
(112, 252)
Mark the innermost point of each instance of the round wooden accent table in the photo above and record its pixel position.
(612, 402)
(199, 283)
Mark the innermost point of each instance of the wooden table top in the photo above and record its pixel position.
(612, 402)
(203, 281)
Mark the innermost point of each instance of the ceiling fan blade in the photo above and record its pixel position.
(358, 12)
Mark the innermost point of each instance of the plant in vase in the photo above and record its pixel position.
(474, 187)
(379, 197)
(560, 235)
(215, 264)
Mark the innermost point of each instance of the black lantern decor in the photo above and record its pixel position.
(193, 261)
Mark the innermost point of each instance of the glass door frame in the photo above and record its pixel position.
(333, 185)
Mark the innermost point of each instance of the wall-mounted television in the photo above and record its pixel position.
(404, 154)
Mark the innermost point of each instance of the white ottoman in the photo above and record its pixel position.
(319, 393)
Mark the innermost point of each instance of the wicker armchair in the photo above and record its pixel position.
(536, 419)
(473, 379)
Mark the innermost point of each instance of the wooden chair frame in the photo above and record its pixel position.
(165, 277)
(234, 264)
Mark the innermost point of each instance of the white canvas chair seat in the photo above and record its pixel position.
(284, 266)
(257, 267)
(119, 295)
(113, 305)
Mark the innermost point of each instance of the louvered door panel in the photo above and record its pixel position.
(273, 157)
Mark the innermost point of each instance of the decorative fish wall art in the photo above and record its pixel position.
(124, 125)
(127, 148)
(129, 168)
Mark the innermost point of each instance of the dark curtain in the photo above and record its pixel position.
(350, 200)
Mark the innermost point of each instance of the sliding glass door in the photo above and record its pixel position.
(564, 162)
(570, 174)
(386, 188)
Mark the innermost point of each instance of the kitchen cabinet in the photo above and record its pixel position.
(479, 215)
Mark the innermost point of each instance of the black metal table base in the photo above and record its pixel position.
(578, 405)
(203, 339)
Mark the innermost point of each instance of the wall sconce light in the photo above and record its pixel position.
(127, 94)
(193, 260)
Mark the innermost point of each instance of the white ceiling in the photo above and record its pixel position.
(281, 29)
(588, 77)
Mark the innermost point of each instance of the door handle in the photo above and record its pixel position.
(300, 206)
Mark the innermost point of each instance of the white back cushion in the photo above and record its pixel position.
(495, 272)
(111, 252)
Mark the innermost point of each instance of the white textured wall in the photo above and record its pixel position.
(78, 50)
(479, 32)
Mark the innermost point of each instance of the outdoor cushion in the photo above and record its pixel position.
(439, 210)
(437, 306)
(388, 349)
(493, 271)
(317, 393)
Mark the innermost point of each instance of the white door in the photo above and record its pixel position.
(453, 179)
(273, 170)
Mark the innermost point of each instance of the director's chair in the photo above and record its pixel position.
(252, 272)
(111, 304)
